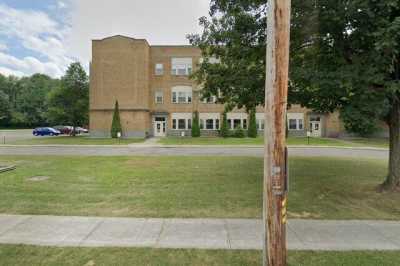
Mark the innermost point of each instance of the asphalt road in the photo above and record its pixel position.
(189, 151)
(9, 136)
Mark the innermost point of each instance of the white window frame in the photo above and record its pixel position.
(178, 91)
(299, 118)
(210, 100)
(236, 116)
(211, 60)
(157, 95)
(159, 69)
(210, 116)
(181, 116)
(181, 66)
(260, 118)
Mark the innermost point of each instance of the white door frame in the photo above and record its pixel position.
(315, 128)
(160, 127)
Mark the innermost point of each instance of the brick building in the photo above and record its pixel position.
(157, 98)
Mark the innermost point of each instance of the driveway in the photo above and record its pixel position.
(189, 151)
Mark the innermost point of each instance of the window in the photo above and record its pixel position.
(159, 69)
(181, 66)
(237, 123)
(181, 97)
(300, 124)
(159, 119)
(181, 124)
(181, 121)
(209, 121)
(201, 124)
(292, 124)
(159, 97)
(174, 97)
(212, 99)
(295, 121)
(260, 118)
(210, 124)
(182, 94)
(260, 124)
(237, 120)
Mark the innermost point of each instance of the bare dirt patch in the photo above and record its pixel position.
(38, 178)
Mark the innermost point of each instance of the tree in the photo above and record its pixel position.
(252, 130)
(224, 132)
(344, 56)
(5, 113)
(31, 100)
(116, 122)
(69, 103)
(353, 65)
(196, 125)
(233, 45)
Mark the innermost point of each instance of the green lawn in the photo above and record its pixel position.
(54, 256)
(358, 142)
(78, 140)
(322, 188)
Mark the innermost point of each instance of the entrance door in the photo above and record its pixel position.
(160, 127)
(315, 127)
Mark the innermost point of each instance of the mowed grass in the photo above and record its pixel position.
(219, 187)
(77, 140)
(294, 141)
(55, 256)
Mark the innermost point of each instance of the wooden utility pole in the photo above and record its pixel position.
(275, 159)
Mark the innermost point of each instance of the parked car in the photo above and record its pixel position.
(65, 130)
(80, 130)
(45, 131)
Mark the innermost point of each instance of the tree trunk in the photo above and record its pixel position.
(73, 134)
(392, 182)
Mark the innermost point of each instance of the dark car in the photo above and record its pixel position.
(45, 131)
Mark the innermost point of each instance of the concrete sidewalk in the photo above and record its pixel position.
(194, 233)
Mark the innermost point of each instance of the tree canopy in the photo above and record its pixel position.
(344, 56)
(24, 100)
(69, 104)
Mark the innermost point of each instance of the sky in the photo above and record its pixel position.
(45, 36)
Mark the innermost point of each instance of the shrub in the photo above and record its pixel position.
(224, 132)
(195, 125)
(239, 132)
(116, 122)
(252, 130)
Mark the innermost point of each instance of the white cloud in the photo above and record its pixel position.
(54, 45)
(61, 5)
(11, 72)
(160, 22)
(29, 65)
(3, 47)
(37, 32)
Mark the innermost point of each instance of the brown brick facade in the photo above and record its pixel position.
(124, 69)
